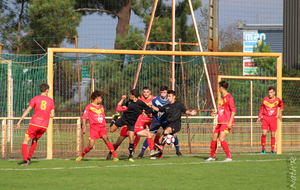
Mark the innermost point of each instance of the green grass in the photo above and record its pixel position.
(188, 172)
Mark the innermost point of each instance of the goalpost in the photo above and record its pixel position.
(278, 78)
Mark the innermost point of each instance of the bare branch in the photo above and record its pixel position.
(97, 10)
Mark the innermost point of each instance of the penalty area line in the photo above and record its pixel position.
(136, 165)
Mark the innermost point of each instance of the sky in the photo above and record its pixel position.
(100, 31)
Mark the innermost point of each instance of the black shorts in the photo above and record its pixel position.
(156, 125)
(176, 126)
(123, 121)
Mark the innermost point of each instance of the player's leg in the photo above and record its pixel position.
(176, 143)
(86, 150)
(136, 141)
(39, 134)
(25, 150)
(153, 129)
(213, 145)
(263, 140)
(224, 145)
(116, 145)
(265, 127)
(110, 147)
(273, 129)
(131, 142)
(145, 133)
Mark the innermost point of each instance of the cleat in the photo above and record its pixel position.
(78, 159)
(154, 152)
(272, 152)
(115, 159)
(210, 159)
(159, 155)
(159, 147)
(227, 160)
(140, 156)
(152, 157)
(263, 152)
(108, 157)
(178, 153)
(130, 160)
(25, 163)
(114, 119)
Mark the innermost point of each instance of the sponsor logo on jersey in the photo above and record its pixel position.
(97, 111)
(271, 105)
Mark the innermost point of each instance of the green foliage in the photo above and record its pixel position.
(53, 18)
(134, 40)
(267, 66)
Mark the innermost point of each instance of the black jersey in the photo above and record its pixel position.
(173, 111)
(135, 109)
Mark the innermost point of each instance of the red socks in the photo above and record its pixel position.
(263, 141)
(111, 148)
(136, 141)
(226, 148)
(156, 139)
(25, 152)
(150, 143)
(32, 149)
(86, 150)
(213, 148)
(272, 143)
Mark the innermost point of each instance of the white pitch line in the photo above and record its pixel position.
(136, 165)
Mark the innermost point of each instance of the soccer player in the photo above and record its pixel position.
(135, 108)
(269, 111)
(43, 111)
(159, 119)
(225, 115)
(95, 113)
(173, 113)
(140, 125)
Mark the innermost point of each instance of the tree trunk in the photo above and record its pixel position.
(123, 20)
(19, 28)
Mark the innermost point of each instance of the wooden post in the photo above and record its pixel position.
(78, 139)
(279, 95)
(4, 138)
(50, 94)
(251, 108)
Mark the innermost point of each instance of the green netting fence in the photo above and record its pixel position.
(114, 74)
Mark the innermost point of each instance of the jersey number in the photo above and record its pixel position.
(43, 104)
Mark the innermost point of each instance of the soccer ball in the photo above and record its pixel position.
(169, 139)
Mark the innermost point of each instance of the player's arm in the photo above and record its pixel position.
(193, 112)
(52, 113)
(26, 112)
(260, 112)
(158, 109)
(83, 126)
(230, 120)
(232, 112)
(280, 110)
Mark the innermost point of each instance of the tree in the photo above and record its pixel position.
(14, 22)
(52, 21)
(120, 9)
(27, 25)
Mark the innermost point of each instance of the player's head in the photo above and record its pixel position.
(134, 93)
(271, 91)
(96, 97)
(146, 92)
(164, 91)
(171, 96)
(223, 85)
(44, 88)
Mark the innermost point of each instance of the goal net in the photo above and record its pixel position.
(74, 74)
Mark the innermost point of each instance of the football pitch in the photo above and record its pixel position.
(251, 171)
